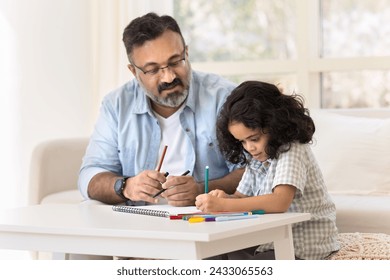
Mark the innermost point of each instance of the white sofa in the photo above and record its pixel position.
(54, 170)
(352, 148)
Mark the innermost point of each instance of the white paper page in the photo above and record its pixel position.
(173, 210)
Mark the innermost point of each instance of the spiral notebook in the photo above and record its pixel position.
(164, 210)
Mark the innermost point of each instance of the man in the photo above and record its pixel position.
(167, 104)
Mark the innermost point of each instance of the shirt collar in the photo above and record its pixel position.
(142, 105)
(191, 99)
(256, 165)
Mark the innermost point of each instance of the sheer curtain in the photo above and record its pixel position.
(8, 115)
(46, 85)
(109, 20)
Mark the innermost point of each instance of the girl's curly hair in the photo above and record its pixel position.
(259, 105)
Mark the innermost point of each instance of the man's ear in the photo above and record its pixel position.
(186, 50)
(131, 68)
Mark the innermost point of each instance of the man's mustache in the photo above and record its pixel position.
(165, 86)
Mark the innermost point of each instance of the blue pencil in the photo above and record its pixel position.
(232, 218)
(206, 180)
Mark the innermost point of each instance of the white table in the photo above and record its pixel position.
(97, 230)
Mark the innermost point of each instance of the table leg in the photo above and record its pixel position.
(59, 256)
(284, 248)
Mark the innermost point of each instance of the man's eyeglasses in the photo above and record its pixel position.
(155, 71)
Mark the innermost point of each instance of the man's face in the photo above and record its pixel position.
(169, 86)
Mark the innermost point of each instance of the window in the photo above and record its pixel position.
(334, 52)
(238, 38)
(223, 30)
(353, 29)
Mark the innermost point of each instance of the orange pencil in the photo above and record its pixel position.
(162, 158)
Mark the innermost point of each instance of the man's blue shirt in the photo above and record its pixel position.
(127, 135)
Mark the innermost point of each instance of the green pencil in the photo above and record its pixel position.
(206, 180)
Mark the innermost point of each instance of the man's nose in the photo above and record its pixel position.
(167, 75)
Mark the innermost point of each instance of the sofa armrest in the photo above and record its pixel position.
(55, 167)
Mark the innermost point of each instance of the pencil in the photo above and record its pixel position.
(162, 158)
(206, 180)
(163, 190)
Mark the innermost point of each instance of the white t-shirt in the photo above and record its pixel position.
(177, 141)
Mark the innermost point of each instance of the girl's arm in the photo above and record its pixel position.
(276, 202)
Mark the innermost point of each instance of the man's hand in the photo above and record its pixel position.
(181, 190)
(144, 186)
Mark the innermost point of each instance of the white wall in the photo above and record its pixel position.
(46, 83)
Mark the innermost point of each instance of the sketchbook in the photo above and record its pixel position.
(164, 210)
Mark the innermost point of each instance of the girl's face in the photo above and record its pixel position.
(254, 141)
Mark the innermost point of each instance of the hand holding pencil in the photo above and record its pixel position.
(144, 185)
(163, 190)
(210, 201)
(207, 202)
(180, 190)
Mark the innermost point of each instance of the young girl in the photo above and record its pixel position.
(270, 133)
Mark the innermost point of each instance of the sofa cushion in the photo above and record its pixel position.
(353, 152)
(66, 197)
(362, 213)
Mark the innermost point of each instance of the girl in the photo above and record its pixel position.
(269, 133)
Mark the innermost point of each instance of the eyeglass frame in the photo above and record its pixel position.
(157, 70)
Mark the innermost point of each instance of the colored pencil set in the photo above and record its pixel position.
(217, 217)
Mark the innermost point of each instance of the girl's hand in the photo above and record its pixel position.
(219, 193)
(209, 203)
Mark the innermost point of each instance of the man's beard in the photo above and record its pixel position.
(174, 99)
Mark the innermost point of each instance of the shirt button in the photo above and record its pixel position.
(188, 130)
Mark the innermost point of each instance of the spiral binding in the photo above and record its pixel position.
(141, 211)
